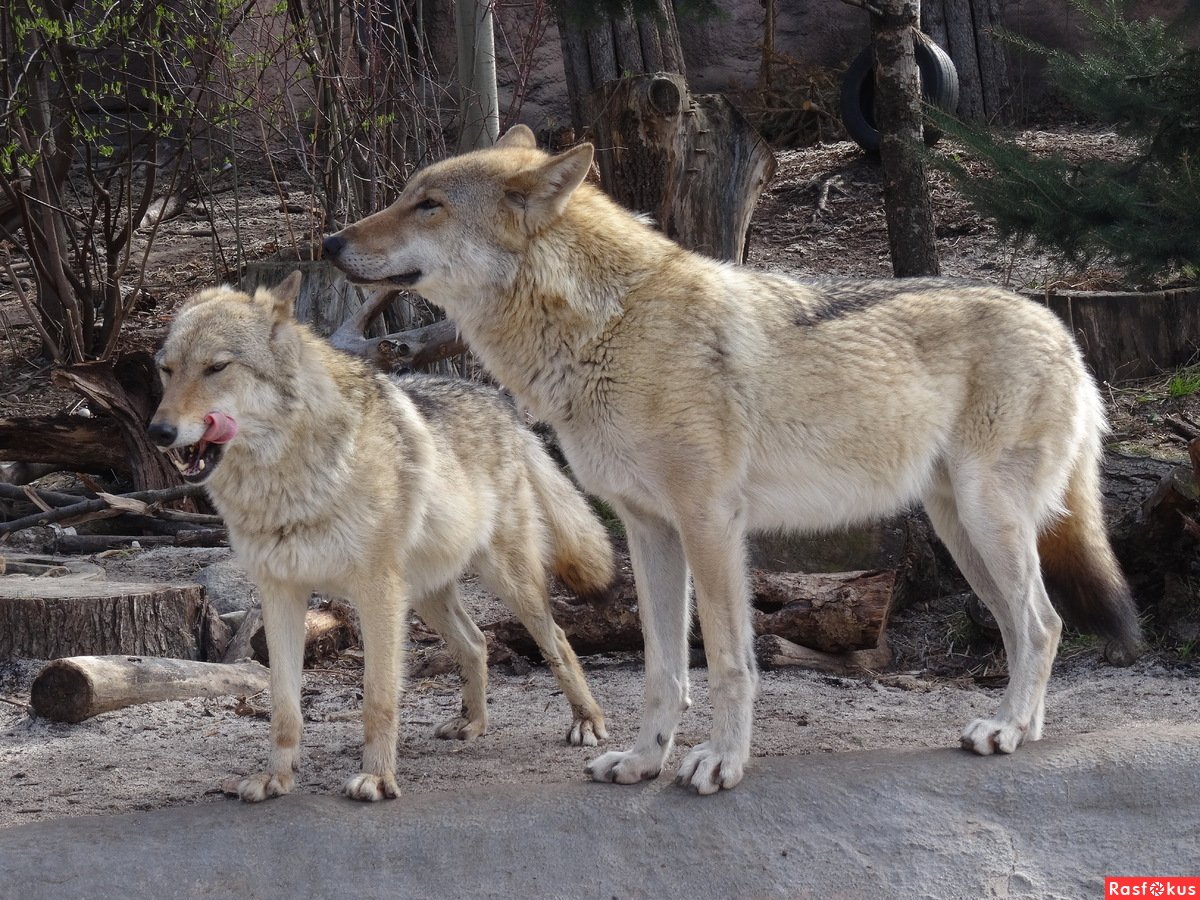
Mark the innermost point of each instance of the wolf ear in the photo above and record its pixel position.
(284, 296)
(518, 136)
(539, 195)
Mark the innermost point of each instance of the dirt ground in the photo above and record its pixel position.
(821, 215)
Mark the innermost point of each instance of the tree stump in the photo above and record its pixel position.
(691, 161)
(127, 390)
(45, 618)
(1126, 335)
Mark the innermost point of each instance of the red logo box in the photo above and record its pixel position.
(1156, 886)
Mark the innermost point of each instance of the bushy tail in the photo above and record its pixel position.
(1081, 571)
(581, 552)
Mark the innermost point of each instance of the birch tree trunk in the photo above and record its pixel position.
(479, 105)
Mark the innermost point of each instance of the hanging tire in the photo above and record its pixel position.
(939, 86)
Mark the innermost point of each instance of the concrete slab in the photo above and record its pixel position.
(1050, 821)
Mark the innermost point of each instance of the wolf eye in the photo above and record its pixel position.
(428, 204)
(164, 371)
(215, 368)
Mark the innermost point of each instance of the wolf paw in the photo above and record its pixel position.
(587, 731)
(624, 767)
(264, 785)
(372, 788)
(706, 770)
(461, 728)
(988, 736)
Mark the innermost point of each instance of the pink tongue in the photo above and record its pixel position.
(221, 428)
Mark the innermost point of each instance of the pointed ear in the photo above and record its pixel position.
(539, 195)
(518, 136)
(284, 296)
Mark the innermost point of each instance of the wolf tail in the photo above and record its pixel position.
(581, 552)
(1081, 570)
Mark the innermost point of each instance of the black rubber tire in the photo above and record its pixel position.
(939, 86)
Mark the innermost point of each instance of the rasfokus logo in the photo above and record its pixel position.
(1159, 886)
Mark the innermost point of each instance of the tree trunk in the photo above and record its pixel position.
(45, 618)
(74, 689)
(965, 29)
(72, 442)
(898, 118)
(479, 104)
(105, 385)
(690, 160)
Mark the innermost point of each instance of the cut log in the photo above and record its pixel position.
(327, 631)
(599, 626)
(77, 688)
(775, 652)
(45, 618)
(832, 613)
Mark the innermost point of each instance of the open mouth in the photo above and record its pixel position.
(196, 461)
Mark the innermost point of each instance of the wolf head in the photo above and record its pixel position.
(228, 361)
(462, 224)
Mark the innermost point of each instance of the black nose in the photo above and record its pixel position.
(163, 433)
(332, 245)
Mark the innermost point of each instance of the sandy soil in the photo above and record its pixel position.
(177, 753)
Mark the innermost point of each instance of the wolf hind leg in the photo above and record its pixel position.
(513, 569)
(443, 611)
(993, 538)
(661, 575)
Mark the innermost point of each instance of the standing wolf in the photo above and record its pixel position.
(334, 478)
(704, 401)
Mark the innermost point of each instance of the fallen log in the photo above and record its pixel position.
(77, 688)
(83, 509)
(831, 613)
(74, 442)
(98, 543)
(327, 631)
(775, 652)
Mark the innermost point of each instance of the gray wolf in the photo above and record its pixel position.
(704, 401)
(335, 478)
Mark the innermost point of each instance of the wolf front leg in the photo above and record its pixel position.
(660, 573)
(283, 608)
(714, 541)
(383, 616)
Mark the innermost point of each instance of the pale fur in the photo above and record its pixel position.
(704, 401)
(383, 491)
